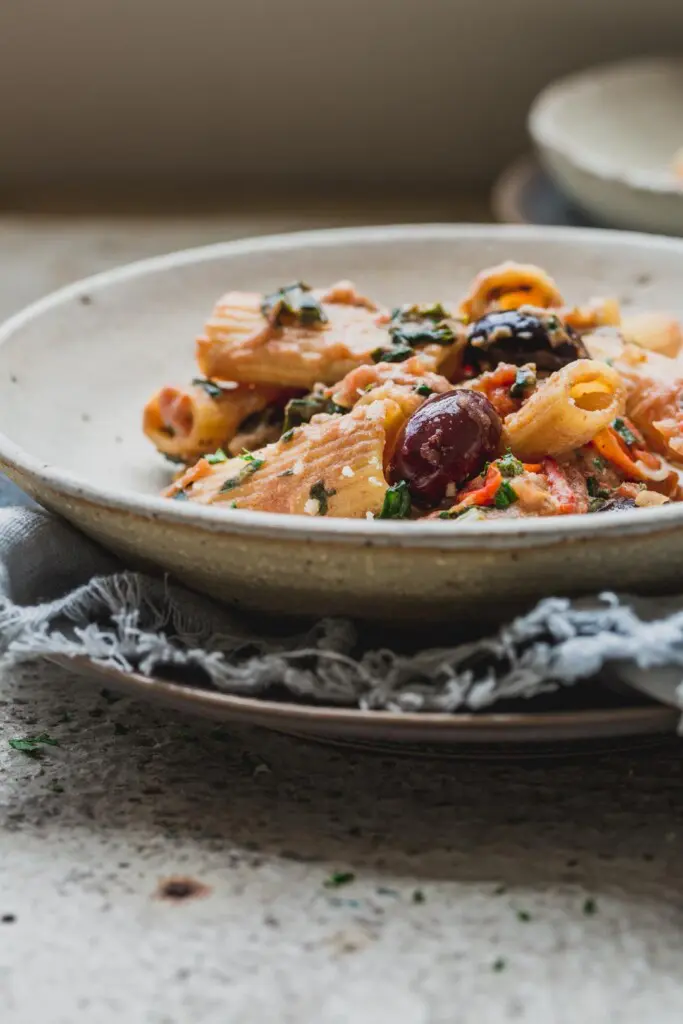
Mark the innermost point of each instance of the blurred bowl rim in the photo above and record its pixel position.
(549, 135)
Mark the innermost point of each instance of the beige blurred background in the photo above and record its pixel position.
(365, 90)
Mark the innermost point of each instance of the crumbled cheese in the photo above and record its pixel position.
(648, 499)
(312, 507)
(375, 482)
(347, 471)
(376, 410)
(369, 515)
(298, 467)
(375, 461)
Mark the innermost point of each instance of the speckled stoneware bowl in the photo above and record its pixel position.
(77, 367)
(608, 136)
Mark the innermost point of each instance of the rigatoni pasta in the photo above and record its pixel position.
(508, 402)
(566, 411)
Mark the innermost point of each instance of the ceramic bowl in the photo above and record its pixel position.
(609, 135)
(77, 367)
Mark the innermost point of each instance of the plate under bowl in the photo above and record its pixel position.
(489, 734)
(77, 367)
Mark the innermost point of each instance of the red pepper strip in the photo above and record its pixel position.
(532, 467)
(559, 487)
(484, 495)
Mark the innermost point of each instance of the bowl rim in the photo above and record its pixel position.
(547, 132)
(501, 534)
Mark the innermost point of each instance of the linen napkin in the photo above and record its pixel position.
(61, 594)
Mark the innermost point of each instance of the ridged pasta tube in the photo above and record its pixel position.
(566, 411)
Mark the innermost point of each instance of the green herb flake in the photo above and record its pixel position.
(592, 486)
(500, 890)
(212, 389)
(498, 965)
(338, 879)
(218, 456)
(320, 494)
(525, 379)
(302, 410)
(233, 504)
(590, 907)
(32, 746)
(397, 503)
(418, 896)
(287, 436)
(56, 787)
(286, 472)
(424, 389)
(509, 465)
(505, 495)
(293, 303)
(599, 463)
(397, 354)
(624, 431)
(523, 915)
(250, 467)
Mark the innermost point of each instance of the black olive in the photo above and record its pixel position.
(447, 441)
(519, 336)
(616, 505)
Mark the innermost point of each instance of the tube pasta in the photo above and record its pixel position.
(331, 466)
(240, 343)
(657, 332)
(186, 424)
(508, 286)
(566, 411)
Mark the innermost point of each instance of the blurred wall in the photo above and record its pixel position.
(435, 89)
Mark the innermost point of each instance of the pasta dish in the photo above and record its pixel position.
(507, 403)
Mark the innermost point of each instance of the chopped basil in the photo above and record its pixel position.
(523, 915)
(397, 503)
(288, 435)
(181, 496)
(233, 504)
(250, 457)
(414, 334)
(294, 303)
(624, 431)
(251, 465)
(218, 456)
(418, 896)
(302, 410)
(32, 745)
(525, 379)
(212, 389)
(397, 354)
(287, 472)
(599, 463)
(339, 878)
(509, 465)
(505, 495)
(424, 389)
(499, 965)
(592, 486)
(595, 504)
(321, 495)
(590, 907)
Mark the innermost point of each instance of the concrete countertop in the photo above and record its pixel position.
(481, 892)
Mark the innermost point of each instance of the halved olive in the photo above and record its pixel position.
(519, 336)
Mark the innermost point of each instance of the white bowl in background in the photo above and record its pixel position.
(609, 135)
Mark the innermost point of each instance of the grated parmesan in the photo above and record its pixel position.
(374, 481)
(298, 467)
(347, 471)
(369, 515)
(312, 507)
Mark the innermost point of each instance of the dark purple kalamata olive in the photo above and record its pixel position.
(519, 336)
(447, 441)
(616, 505)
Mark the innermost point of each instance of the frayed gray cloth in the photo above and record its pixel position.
(62, 595)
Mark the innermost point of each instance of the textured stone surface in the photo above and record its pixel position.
(540, 893)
